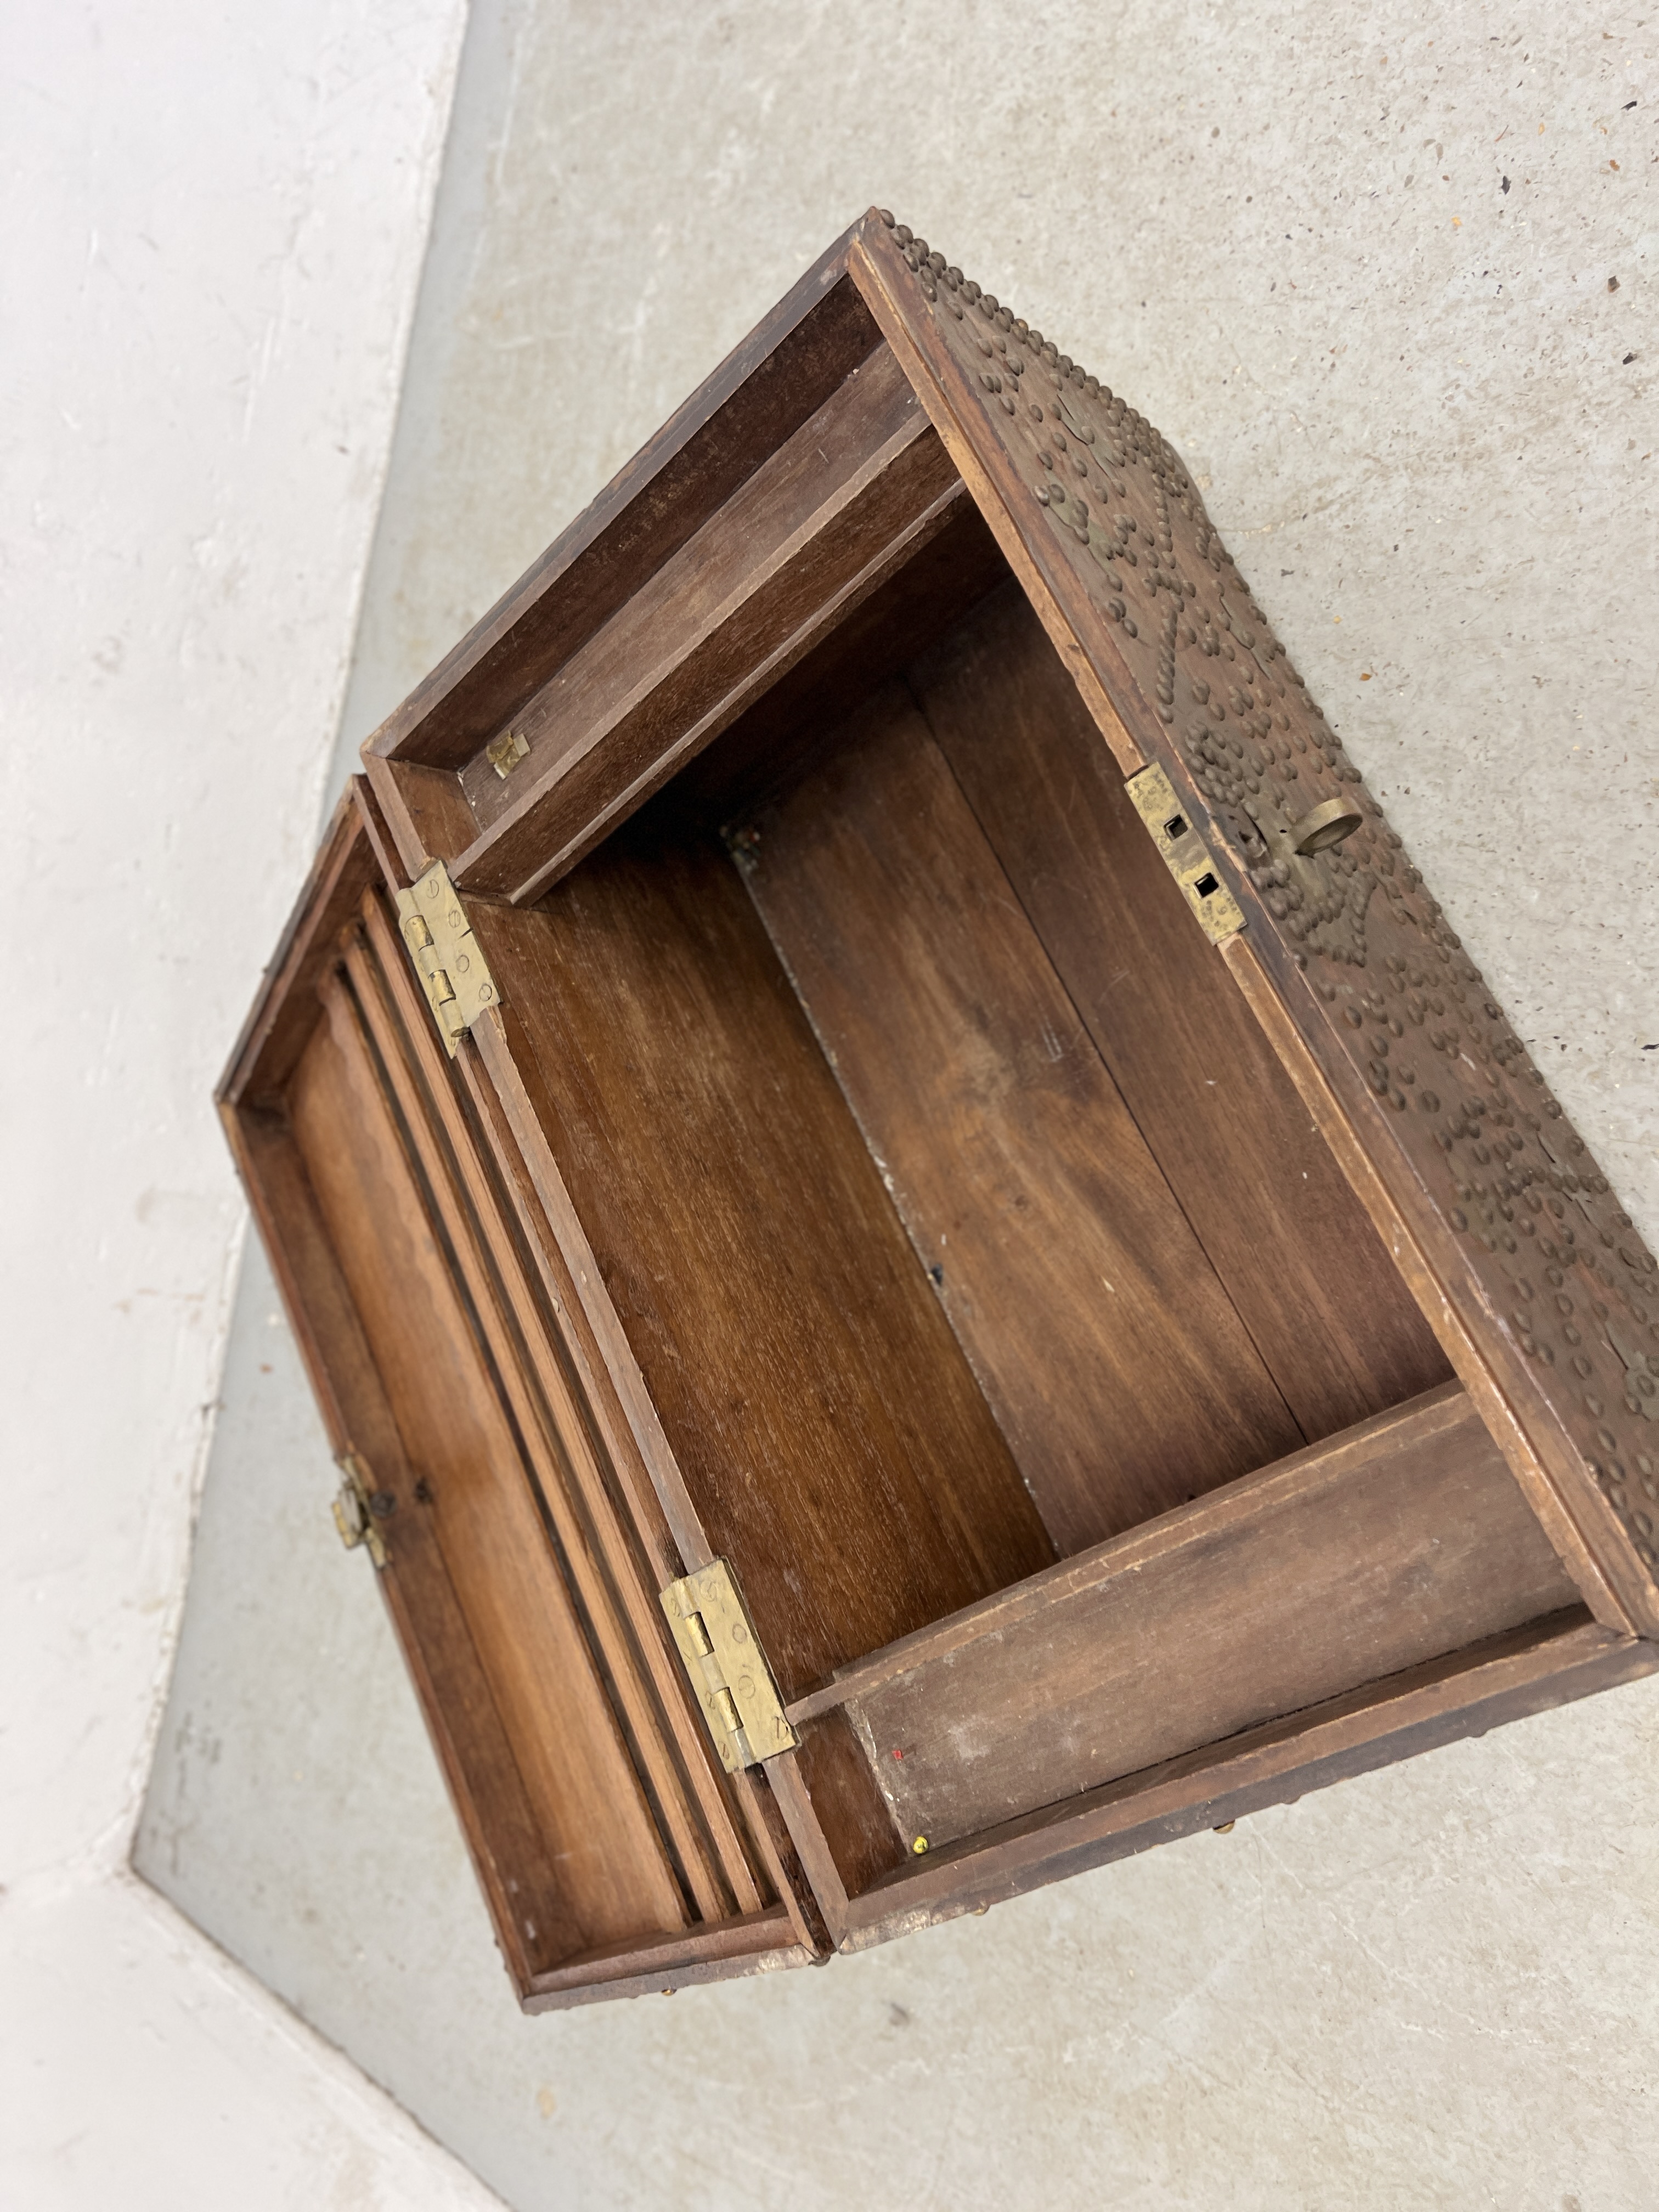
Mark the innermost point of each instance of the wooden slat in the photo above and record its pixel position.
(1118, 1370)
(824, 589)
(771, 742)
(284, 1009)
(1355, 1559)
(647, 643)
(1324, 1303)
(521, 1885)
(766, 387)
(401, 1277)
(765, 1942)
(826, 1426)
(1549, 1662)
(816, 528)
(616, 1589)
(1370, 982)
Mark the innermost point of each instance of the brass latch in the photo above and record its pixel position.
(1185, 854)
(504, 753)
(358, 1506)
(728, 1669)
(458, 984)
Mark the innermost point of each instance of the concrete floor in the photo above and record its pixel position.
(1360, 274)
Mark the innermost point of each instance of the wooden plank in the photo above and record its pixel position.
(392, 874)
(827, 1429)
(1354, 1559)
(766, 387)
(521, 1885)
(1549, 1662)
(623, 1621)
(586, 805)
(1559, 1503)
(1340, 1333)
(821, 526)
(590, 806)
(879, 275)
(1118, 1370)
(284, 1008)
(1525, 1237)
(401, 1277)
(846, 1805)
(646, 641)
(424, 809)
(1443, 1417)
(763, 1943)
(771, 742)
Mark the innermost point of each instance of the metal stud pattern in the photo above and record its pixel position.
(1546, 1239)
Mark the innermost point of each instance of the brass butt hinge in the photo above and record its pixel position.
(1185, 854)
(357, 1507)
(727, 1668)
(447, 958)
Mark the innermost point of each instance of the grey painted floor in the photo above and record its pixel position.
(1286, 237)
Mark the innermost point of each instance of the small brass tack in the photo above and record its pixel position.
(1226, 1827)
(919, 1846)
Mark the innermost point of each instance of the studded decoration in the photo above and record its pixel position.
(1544, 1236)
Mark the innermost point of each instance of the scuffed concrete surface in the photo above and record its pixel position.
(1284, 234)
(141, 2071)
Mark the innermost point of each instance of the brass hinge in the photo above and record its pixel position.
(728, 1669)
(447, 958)
(358, 1506)
(1185, 854)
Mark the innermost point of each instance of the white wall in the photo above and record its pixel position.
(213, 222)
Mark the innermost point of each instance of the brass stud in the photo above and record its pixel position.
(919, 1846)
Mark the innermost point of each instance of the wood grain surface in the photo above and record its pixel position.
(824, 1421)
(819, 525)
(1404, 1539)
(1323, 1302)
(758, 396)
(599, 1557)
(1117, 1367)
(554, 1703)
(1547, 1662)
(1523, 1237)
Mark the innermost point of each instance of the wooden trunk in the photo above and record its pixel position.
(861, 1026)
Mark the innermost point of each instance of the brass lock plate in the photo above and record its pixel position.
(727, 1668)
(1185, 854)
